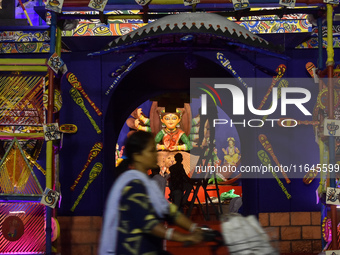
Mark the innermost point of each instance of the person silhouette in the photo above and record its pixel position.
(179, 183)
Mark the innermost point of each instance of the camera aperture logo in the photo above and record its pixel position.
(226, 115)
(204, 98)
(300, 97)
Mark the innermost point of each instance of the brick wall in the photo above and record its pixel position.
(294, 232)
(78, 235)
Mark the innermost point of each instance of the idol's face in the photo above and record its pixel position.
(170, 120)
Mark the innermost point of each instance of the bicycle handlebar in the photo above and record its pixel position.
(209, 235)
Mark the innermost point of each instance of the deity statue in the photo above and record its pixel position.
(232, 153)
(171, 137)
(171, 131)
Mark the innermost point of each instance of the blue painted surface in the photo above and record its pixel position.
(156, 73)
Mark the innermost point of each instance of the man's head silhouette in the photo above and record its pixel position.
(178, 157)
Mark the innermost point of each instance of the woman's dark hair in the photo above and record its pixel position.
(135, 143)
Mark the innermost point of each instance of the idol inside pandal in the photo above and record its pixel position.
(171, 137)
(232, 153)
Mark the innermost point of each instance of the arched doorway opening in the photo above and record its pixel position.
(165, 73)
